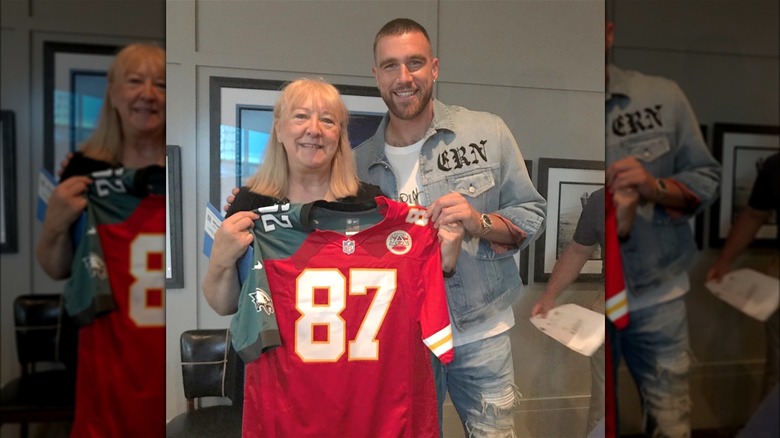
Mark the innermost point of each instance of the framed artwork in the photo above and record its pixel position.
(241, 119)
(525, 255)
(174, 263)
(75, 80)
(567, 185)
(8, 232)
(697, 222)
(741, 150)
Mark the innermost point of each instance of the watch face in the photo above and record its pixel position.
(487, 225)
(661, 185)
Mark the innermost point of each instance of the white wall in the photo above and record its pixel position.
(724, 55)
(24, 26)
(538, 64)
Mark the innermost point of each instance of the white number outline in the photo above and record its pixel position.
(145, 279)
(365, 346)
(416, 216)
(105, 187)
(281, 220)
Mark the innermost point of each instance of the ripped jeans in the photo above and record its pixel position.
(480, 381)
(655, 347)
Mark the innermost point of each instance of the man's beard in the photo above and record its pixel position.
(408, 112)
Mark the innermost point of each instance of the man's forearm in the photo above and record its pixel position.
(674, 195)
(504, 232)
(743, 232)
(567, 268)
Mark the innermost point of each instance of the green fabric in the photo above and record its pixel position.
(111, 199)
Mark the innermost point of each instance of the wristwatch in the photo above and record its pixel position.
(661, 187)
(487, 225)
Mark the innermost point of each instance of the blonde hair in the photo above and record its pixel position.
(107, 139)
(271, 179)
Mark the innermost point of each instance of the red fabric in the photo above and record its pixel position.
(120, 384)
(610, 419)
(386, 393)
(615, 283)
(615, 287)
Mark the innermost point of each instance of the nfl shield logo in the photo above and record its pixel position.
(348, 246)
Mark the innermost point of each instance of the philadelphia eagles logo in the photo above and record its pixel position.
(262, 301)
(95, 266)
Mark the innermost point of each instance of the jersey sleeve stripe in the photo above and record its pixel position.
(440, 342)
(443, 350)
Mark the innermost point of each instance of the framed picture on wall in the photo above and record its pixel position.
(8, 231)
(741, 150)
(174, 263)
(75, 80)
(525, 255)
(241, 119)
(697, 222)
(567, 185)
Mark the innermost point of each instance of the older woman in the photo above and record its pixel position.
(309, 159)
(130, 133)
(115, 286)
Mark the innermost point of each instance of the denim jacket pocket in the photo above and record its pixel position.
(649, 150)
(474, 184)
(473, 187)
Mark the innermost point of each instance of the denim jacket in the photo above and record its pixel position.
(648, 117)
(474, 154)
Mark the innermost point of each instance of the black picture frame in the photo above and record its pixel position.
(525, 254)
(234, 101)
(68, 110)
(740, 148)
(174, 252)
(697, 222)
(560, 181)
(9, 238)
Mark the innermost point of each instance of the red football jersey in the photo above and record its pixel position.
(120, 385)
(358, 316)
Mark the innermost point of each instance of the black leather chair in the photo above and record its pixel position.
(46, 349)
(210, 368)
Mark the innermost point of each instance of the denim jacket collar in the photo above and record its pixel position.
(617, 85)
(442, 120)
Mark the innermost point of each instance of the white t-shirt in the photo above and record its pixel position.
(405, 162)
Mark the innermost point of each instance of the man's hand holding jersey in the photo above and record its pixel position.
(450, 237)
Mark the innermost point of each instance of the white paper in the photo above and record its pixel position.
(212, 221)
(753, 293)
(46, 184)
(574, 326)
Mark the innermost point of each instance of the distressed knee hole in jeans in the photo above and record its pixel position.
(497, 415)
(667, 403)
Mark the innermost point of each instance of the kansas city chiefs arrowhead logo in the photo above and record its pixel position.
(399, 242)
